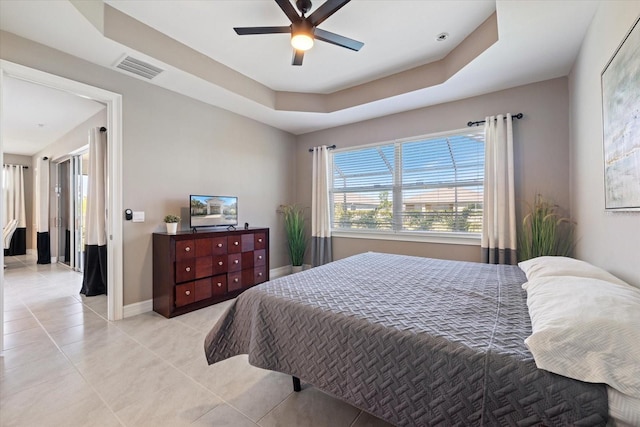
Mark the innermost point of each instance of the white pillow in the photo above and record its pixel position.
(587, 329)
(545, 266)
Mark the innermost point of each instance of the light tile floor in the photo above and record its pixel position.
(64, 364)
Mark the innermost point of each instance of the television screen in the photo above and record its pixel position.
(213, 211)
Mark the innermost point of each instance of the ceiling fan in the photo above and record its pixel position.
(305, 29)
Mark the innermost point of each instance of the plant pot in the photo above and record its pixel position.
(296, 269)
(172, 227)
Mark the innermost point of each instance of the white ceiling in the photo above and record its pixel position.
(538, 40)
(35, 116)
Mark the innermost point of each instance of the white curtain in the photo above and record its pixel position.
(321, 252)
(42, 211)
(499, 214)
(14, 207)
(95, 266)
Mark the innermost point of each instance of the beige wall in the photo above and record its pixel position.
(16, 159)
(541, 151)
(608, 239)
(174, 146)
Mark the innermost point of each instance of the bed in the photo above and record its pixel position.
(414, 341)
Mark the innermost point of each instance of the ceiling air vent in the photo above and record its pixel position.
(139, 68)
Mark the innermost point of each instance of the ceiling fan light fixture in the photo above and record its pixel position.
(301, 41)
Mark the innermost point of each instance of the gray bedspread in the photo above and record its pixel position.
(414, 341)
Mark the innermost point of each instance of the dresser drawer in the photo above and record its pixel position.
(185, 294)
(184, 249)
(234, 244)
(219, 284)
(234, 262)
(247, 260)
(259, 257)
(204, 247)
(259, 241)
(219, 264)
(219, 245)
(234, 281)
(202, 289)
(185, 270)
(259, 274)
(247, 242)
(204, 267)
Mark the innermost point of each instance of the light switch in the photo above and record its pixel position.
(138, 216)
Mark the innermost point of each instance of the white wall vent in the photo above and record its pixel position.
(138, 67)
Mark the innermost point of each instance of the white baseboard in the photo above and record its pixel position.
(285, 270)
(138, 308)
(32, 252)
(274, 273)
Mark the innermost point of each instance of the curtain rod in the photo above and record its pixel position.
(515, 116)
(329, 147)
(26, 167)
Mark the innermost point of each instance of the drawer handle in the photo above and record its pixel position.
(188, 269)
(259, 240)
(259, 274)
(219, 245)
(220, 262)
(236, 243)
(259, 256)
(187, 249)
(236, 280)
(187, 292)
(219, 285)
(235, 261)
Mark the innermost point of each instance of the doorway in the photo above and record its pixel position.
(113, 102)
(71, 191)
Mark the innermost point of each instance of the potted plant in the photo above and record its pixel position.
(545, 232)
(296, 237)
(172, 223)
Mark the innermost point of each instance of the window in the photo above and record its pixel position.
(431, 184)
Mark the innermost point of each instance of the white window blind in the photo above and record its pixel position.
(431, 184)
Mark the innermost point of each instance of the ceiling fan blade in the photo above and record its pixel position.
(261, 30)
(337, 39)
(327, 9)
(297, 57)
(288, 10)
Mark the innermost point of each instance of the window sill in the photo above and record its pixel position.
(408, 236)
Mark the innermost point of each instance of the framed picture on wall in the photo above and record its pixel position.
(621, 124)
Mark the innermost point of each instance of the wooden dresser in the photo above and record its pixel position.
(194, 270)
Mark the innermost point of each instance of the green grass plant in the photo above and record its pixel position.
(295, 228)
(545, 232)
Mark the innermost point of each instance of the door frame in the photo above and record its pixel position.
(113, 101)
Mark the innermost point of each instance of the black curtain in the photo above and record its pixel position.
(44, 248)
(18, 243)
(94, 281)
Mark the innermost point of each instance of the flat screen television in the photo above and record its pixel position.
(213, 211)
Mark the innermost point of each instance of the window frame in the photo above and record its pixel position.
(396, 233)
